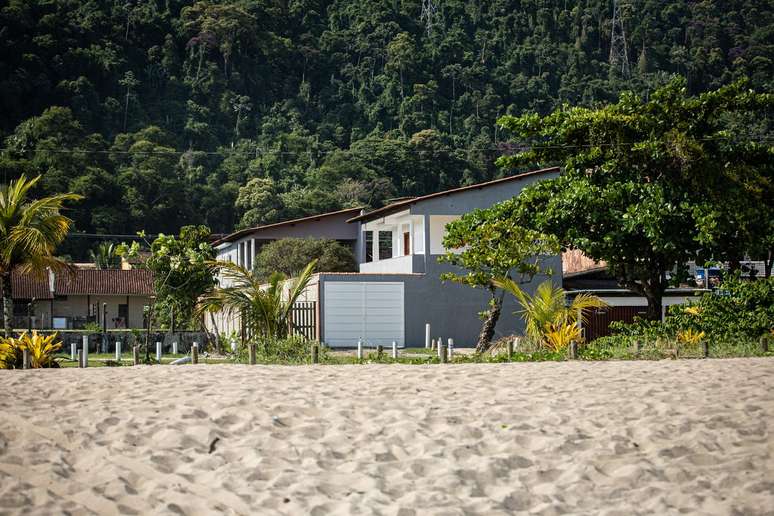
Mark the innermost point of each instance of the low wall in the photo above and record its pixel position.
(99, 344)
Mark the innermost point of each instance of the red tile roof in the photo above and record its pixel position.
(27, 286)
(111, 282)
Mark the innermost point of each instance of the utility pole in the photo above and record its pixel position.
(619, 56)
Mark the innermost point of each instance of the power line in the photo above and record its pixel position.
(257, 152)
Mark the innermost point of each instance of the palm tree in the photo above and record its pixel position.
(550, 321)
(105, 256)
(30, 230)
(265, 308)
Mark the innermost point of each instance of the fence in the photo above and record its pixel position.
(598, 319)
(303, 319)
(105, 343)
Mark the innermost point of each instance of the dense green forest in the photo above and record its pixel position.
(232, 113)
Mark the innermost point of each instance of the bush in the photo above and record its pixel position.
(42, 351)
(290, 255)
(290, 350)
(740, 310)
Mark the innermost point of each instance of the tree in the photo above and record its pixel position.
(30, 230)
(260, 203)
(265, 310)
(644, 179)
(290, 255)
(181, 273)
(105, 256)
(489, 245)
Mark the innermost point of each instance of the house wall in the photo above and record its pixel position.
(451, 309)
(78, 306)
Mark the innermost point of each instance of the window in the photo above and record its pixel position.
(385, 245)
(123, 317)
(369, 246)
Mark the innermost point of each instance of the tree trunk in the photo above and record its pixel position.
(488, 328)
(655, 303)
(5, 287)
(767, 263)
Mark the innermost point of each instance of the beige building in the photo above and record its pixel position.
(112, 297)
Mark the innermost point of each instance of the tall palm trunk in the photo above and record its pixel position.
(5, 287)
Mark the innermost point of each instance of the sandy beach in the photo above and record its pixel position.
(668, 437)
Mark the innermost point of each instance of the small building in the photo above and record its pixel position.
(70, 301)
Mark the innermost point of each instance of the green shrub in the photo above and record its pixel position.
(290, 350)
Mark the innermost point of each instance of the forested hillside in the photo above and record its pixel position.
(163, 113)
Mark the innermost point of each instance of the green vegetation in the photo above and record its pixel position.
(550, 320)
(650, 184)
(740, 311)
(291, 255)
(41, 349)
(264, 309)
(30, 230)
(240, 112)
(105, 256)
(493, 247)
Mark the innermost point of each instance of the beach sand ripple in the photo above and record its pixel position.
(668, 437)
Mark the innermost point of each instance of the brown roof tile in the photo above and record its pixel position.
(118, 282)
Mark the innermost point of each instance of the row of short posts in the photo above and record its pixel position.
(82, 355)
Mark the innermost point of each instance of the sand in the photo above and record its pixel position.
(668, 437)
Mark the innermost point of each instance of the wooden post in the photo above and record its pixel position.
(315, 353)
(638, 346)
(705, 348)
(359, 349)
(25, 359)
(135, 355)
(85, 354)
(118, 351)
(379, 351)
(451, 349)
(194, 353)
(427, 335)
(394, 350)
(251, 353)
(764, 344)
(573, 350)
(158, 352)
(442, 352)
(439, 345)
(509, 349)
(78, 357)
(174, 347)
(432, 344)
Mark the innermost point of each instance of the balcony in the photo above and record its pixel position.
(397, 265)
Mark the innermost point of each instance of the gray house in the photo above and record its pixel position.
(398, 289)
(241, 247)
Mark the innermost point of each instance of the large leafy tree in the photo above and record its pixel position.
(489, 245)
(30, 230)
(649, 184)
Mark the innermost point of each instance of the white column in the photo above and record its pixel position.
(118, 350)
(394, 349)
(158, 352)
(359, 349)
(174, 348)
(427, 335)
(73, 350)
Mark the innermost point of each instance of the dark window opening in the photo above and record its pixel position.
(385, 245)
(369, 246)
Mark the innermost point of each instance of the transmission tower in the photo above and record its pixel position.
(619, 56)
(429, 15)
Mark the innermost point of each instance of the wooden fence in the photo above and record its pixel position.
(303, 319)
(598, 320)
